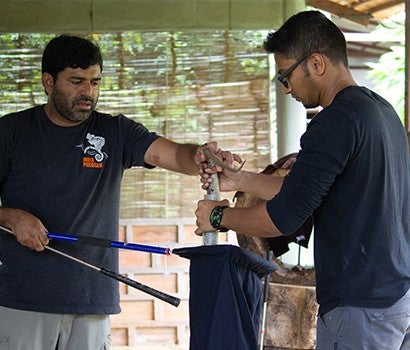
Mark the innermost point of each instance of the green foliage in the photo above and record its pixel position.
(389, 72)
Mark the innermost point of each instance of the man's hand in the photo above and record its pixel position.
(28, 229)
(224, 167)
(203, 213)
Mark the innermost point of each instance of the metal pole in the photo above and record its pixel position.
(265, 301)
(211, 238)
(121, 278)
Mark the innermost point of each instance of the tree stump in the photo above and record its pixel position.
(292, 308)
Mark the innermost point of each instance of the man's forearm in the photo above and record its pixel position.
(261, 185)
(173, 156)
(253, 221)
(185, 158)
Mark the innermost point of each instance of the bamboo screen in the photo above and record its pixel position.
(190, 87)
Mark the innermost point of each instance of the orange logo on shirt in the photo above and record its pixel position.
(89, 162)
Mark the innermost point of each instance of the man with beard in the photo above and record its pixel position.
(61, 166)
(353, 175)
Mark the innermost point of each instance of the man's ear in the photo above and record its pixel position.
(48, 82)
(318, 63)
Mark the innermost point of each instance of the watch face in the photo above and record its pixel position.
(216, 217)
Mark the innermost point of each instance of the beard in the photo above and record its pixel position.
(310, 99)
(72, 110)
(310, 105)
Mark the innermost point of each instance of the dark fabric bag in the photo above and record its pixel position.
(225, 296)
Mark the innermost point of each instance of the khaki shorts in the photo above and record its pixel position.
(355, 328)
(23, 330)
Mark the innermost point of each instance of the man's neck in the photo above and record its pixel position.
(56, 119)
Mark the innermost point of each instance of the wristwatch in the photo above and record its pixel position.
(215, 217)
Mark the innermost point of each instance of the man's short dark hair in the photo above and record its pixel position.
(308, 32)
(69, 51)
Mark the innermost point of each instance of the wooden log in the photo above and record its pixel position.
(290, 317)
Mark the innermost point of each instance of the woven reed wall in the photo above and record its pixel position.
(190, 87)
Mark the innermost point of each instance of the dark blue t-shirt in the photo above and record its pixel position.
(70, 178)
(353, 175)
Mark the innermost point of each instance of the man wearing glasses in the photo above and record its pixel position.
(352, 174)
(283, 76)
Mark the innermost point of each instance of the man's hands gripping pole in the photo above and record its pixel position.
(222, 174)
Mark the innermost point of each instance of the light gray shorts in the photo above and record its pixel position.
(22, 330)
(354, 328)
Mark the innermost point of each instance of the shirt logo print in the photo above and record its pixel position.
(93, 149)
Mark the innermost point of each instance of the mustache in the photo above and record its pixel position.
(84, 99)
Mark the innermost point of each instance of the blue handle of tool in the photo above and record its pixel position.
(101, 242)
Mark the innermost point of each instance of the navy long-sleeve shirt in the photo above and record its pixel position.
(353, 175)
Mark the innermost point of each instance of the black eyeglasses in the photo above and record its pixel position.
(282, 77)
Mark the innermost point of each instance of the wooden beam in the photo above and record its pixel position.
(381, 6)
(88, 16)
(341, 11)
(381, 10)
